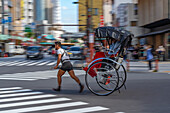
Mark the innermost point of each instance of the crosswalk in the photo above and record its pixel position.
(20, 100)
(28, 63)
(38, 75)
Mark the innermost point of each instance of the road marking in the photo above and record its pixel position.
(20, 94)
(43, 63)
(84, 110)
(27, 98)
(35, 63)
(38, 101)
(5, 78)
(10, 62)
(16, 63)
(38, 75)
(119, 112)
(25, 63)
(3, 89)
(26, 76)
(52, 63)
(4, 63)
(33, 102)
(15, 91)
(46, 107)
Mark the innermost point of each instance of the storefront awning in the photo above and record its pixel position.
(46, 43)
(4, 37)
(153, 33)
(7, 37)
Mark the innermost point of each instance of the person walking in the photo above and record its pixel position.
(66, 66)
(150, 57)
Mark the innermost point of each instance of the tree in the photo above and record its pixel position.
(29, 34)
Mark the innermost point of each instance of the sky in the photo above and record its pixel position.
(69, 13)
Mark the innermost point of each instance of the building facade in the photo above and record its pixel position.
(154, 15)
(27, 11)
(42, 15)
(48, 12)
(56, 12)
(95, 12)
(0, 16)
(17, 26)
(107, 9)
(127, 17)
(6, 7)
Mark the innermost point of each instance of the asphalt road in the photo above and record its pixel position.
(26, 88)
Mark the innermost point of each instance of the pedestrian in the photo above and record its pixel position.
(66, 66)
(150, 57)
(161, 52)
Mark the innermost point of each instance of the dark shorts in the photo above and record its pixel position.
(67, 66)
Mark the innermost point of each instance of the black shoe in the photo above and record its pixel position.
(56, 89)
(81, 88)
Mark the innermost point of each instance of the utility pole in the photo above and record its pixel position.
(2, 16)
(169, 9)
(87, 15)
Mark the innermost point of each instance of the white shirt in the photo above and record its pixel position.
(65, 56)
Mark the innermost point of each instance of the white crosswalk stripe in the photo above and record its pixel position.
(26, 98)
(31, 63)
(44, 63)
(39, 75)
(12, 64)
(8, 63)
(14, 91)
(34, 63)
(20, 94)
(3, 89)
(26, 63)
(10, 78)
(34, 101)
(84, 110)
(50, 64)
(5, 63)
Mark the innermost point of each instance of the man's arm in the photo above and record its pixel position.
(58, 61)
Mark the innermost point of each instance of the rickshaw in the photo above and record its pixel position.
(106, 73)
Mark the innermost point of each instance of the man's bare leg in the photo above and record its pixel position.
(59, 75)
(73, 76)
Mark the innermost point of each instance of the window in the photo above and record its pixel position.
(125, 19)
(136, 9)
(0, 9)
(96, 11)
(29, 3)
(169, 39)
(133, 23)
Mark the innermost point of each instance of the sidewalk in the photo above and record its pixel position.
(142, 66)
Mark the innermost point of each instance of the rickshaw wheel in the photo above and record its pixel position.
(122, 76)
(105, 81)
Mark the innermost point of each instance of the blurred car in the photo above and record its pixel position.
(34, 52)
(75, 52)
(45, 49)
(49, 51)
